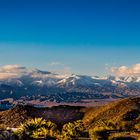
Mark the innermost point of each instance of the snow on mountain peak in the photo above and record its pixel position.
(20, 76)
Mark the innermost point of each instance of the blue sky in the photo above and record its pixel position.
(80, 36)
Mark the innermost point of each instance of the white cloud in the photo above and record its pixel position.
(12, 68)
(7, 75)
(16, 71)
(126, 71)
(11, 71)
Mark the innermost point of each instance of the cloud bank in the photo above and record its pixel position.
(17, 71)
(12, 68)
(12, 71)
(126, 71)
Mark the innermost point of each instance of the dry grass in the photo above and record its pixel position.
(125, 134)
(114, 111)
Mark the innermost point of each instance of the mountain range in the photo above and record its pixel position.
(23, 84)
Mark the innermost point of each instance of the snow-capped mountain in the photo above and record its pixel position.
(22, 82)
(125, 79)
(23, 76)
(76, 80)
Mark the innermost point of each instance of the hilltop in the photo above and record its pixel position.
(117, 119)
(126, 110)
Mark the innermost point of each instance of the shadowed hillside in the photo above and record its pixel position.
(59, 114)
(125, 110)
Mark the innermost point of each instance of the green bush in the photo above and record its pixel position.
(7, 134)
(125, 126)
(101, 130)
(37, 129)
(44, 133)
(73, 130)
(137, 126)
(122, 138)
(98, 133)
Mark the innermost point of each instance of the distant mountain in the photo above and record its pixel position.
(26, 84)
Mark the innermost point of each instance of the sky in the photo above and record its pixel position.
(74, 36)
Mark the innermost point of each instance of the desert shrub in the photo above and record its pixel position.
(137, 127)
(101, 130)
(73, 130)
(122, 138)
(7, 134)
(37, 129)
(44, 133)
(98, 133)
(26, 129)
(105, 124)
(111, 125)
(79, 126)
(125, 126)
